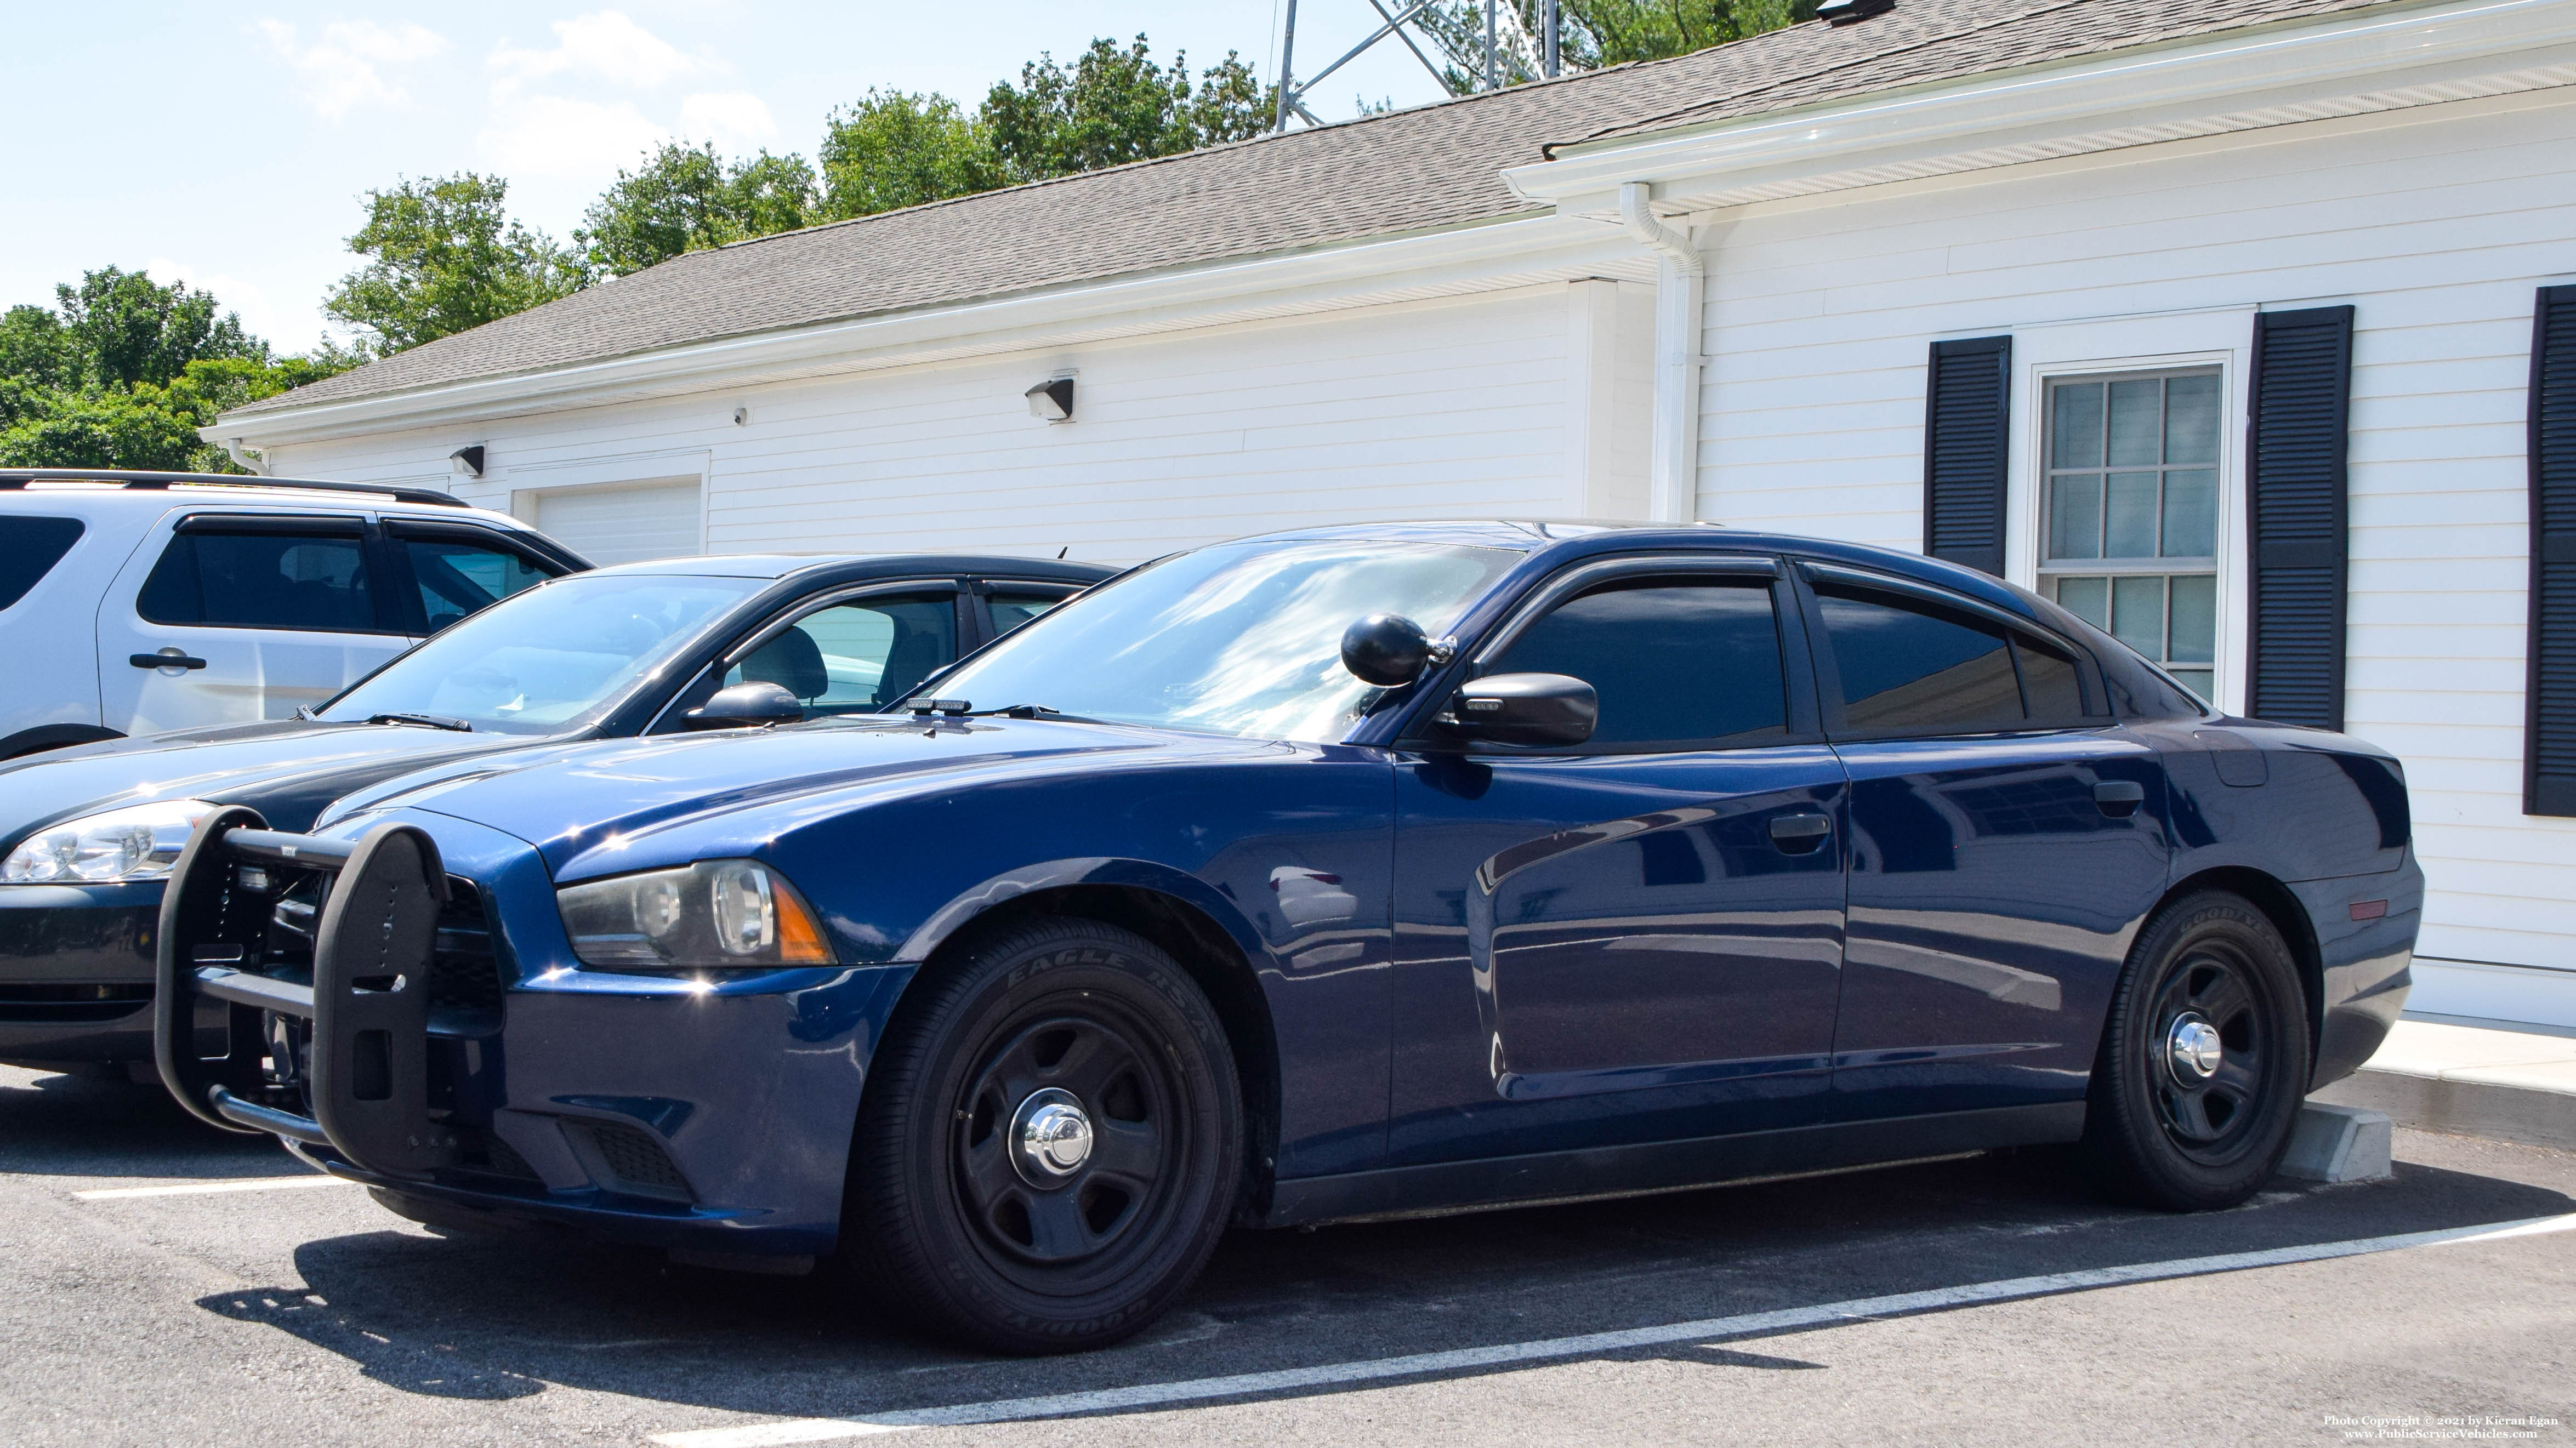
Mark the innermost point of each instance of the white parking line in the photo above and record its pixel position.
(1154, 1395)
(191, 1189)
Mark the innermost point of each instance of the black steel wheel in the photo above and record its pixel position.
(2204, 1060)
(1050, 1141)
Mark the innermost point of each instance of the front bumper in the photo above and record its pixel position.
(76, 969)
(706, 1117)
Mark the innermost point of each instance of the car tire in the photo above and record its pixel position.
(2204, 1061)
(1050, 1143)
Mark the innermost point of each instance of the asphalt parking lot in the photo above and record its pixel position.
(309, 1316)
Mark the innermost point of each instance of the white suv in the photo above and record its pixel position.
(263, 594)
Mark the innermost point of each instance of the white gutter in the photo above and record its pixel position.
(1513, 251)
(1672, 486)
(233, 449)
(2262, 75)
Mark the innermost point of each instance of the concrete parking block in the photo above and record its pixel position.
(2510, 1085)
(2340, 1144)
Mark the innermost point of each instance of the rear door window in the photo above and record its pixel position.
(456, 576)
(1014, 604)
(29, 549)
(305, 577)
(854, 657)
(1910, 666)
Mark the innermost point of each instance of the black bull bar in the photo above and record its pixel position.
(366, 999)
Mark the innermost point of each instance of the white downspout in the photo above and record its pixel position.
(233, 449)
(1672, 489)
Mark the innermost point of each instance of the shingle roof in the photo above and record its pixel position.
(1408, 171)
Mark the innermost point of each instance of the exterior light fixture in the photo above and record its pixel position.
(1052, 400)
(467, 461)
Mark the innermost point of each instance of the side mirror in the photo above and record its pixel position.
(746, 706)
(1526, 709)
(1386, 648)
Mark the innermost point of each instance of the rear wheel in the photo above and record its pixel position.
(1050, 1141)
(2204, 1061)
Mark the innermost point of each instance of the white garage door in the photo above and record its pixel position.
(621, 524)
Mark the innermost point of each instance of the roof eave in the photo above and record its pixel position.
(1318, 278)
(2378, 58)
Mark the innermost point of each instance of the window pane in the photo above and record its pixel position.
(2191, 419)
(2137, 422)
(29, 549)
(1906, 666)
(2138, 614)
(458, 578)
(1672, 662)
(2130, 524)
(2199, 681)
(2191, 514)
(2075, 518)
(2048, 681)
(854, 657)
(1010, 610)
(2088, 599)
(2075, 437)
(2195, 618)
(253, 580)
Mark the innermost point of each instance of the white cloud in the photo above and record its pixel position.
(732, 119)
(340, 69)
(557, 136)
(603, 43)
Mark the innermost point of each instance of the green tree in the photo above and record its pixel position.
(687, 198)
(1115, 106)
(444, 256)
(125, 371)
(892, 149)
(1593, 33)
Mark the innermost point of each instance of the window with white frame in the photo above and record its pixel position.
(2129, 528)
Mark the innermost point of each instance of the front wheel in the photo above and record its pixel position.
(2204, 1062)
(1050, 1143)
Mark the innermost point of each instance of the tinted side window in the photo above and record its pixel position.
(854, 657)
(1916, 667)
(1675, 662)
(2049, 682)
(456, 578)
(29, 549)
(261, 580)
(1012, 607)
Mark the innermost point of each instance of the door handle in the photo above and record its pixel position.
(167, 659)
(2119, 798)
(1799, 834)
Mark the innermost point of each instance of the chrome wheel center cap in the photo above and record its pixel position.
(2193, 1047)
(1050, 1137)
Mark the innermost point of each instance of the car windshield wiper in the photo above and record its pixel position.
(429, 721)
(1028, 711)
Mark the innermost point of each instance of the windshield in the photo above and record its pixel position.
(539, 661)
(1241, 638)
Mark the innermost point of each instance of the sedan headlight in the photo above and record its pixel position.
(139, 842)
(727, 914)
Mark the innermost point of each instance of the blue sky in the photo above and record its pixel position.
(228, 145)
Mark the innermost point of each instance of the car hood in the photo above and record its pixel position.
(748, 786)
(286, 769)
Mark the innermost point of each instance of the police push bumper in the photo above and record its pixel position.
(244, 1032)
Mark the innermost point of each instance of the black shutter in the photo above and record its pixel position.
(1967, 414)
(2295, 459)
(2549, 737)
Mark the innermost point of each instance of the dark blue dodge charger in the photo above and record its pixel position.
(1319, 876)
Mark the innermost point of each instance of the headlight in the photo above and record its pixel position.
(727, 914)
(139, 842)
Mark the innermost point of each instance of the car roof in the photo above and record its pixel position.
(840, 566)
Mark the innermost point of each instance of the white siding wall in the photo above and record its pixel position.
(2436, 224)
(1456, 407)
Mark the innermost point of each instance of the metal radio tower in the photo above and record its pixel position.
(1293, 88)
